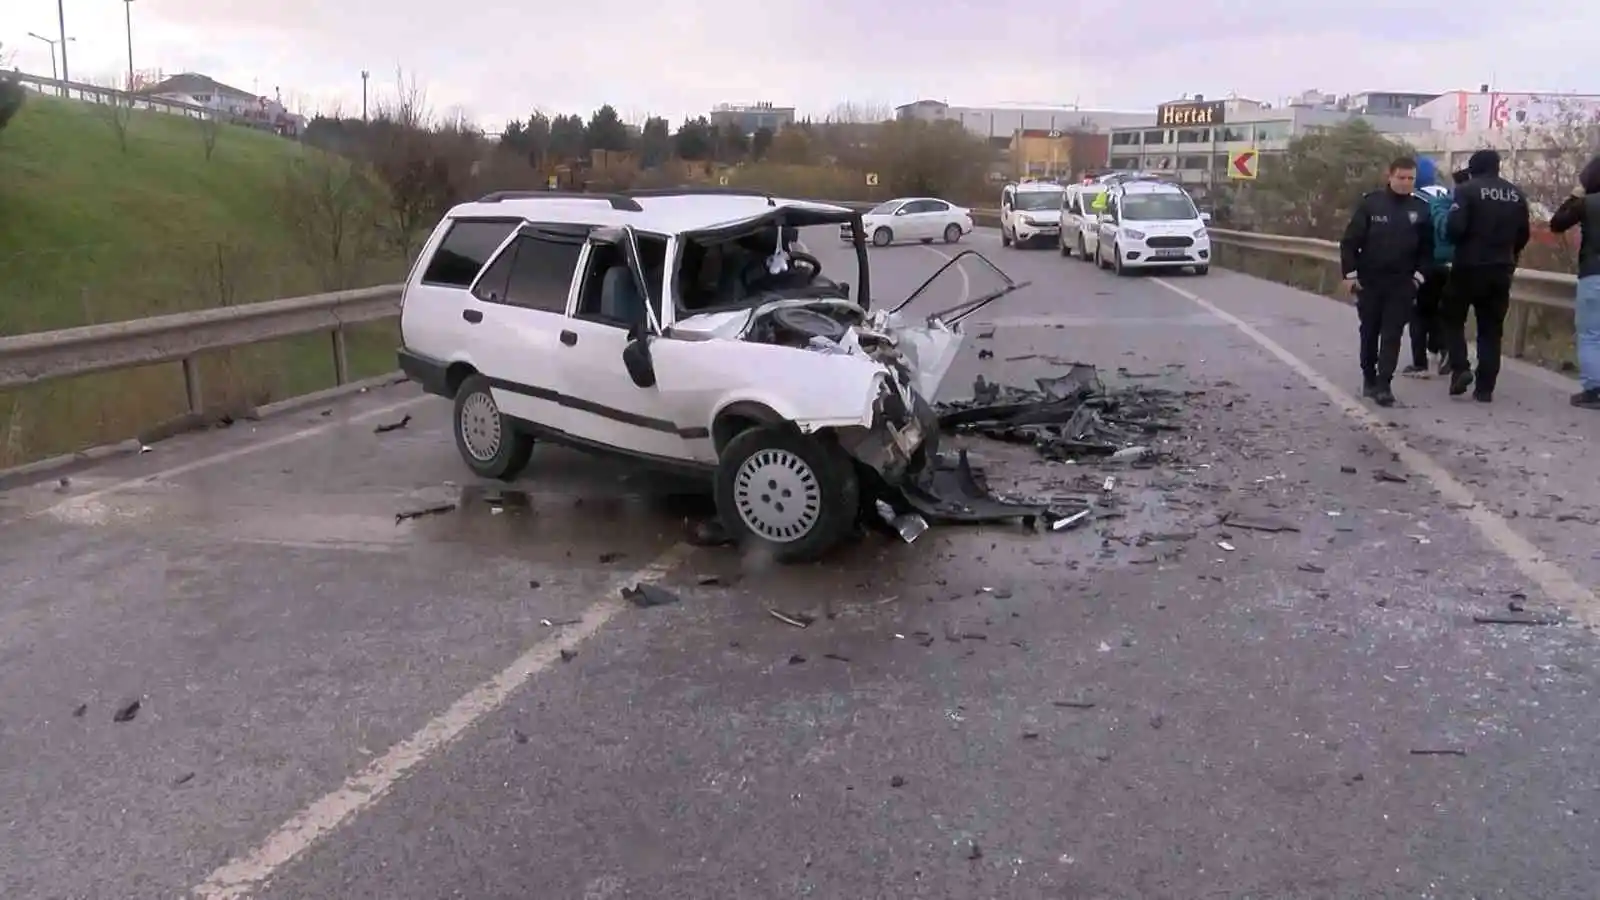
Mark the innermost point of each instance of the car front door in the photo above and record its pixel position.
(514, 315)
(911, 220)
(606, 408)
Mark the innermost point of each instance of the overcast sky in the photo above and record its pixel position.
(503, 59)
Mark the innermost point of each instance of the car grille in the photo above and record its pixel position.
(1164, 241)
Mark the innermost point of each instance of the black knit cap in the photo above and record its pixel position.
(1484, 162)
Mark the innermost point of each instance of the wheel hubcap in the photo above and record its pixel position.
(777, 495)
(480, 426)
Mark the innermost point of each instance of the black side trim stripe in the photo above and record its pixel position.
(616, 415)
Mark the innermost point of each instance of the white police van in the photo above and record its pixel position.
(1030, 212)
(1152, 225)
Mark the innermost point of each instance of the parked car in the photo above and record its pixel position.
(1030, 212)
(683, 330)
(1152, 225)
(924, 219)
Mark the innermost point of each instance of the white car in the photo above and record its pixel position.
(924, 219)
(682, 330)
(1080, 232)
(1030, 212)
(1152, 225)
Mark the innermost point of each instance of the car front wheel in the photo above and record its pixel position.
(882, 237)
(792, 495)
(489, 442)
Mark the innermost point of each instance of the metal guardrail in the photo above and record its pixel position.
(91, 93)
(1532, 288)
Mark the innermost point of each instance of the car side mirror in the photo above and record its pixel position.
(636, 359)
(1205, 217)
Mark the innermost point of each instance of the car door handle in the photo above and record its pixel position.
(569, 338)
(472, 315)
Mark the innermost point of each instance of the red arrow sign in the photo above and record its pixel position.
(1242, 163)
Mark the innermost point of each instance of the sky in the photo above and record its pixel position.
(500, 60)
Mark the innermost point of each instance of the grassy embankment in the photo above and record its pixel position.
(92, 234)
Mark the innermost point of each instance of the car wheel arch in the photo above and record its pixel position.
(740, 416)
(456, 374)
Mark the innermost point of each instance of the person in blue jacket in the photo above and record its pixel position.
(1426, 327)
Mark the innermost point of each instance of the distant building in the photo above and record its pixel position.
(1198, 154)
(1040, 153)
(1465, 121)
(1385, 103)
(752, 117)
(1004, 121)
(231, 103)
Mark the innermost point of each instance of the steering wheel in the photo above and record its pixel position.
(758, 267)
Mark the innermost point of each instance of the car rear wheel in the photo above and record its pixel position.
(1065, 249)
(952, 233)
(882, 237)
(792, 495)
(491, 444)
(1005, 237)
(1083, 249)
(1202, 270)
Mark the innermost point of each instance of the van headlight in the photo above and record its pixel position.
(1029, 220)
(1134, 235)
(1200, 232)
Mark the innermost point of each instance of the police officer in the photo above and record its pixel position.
(1386, 248)
(1489, 225)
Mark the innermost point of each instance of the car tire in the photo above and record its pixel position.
(1116, 263)
(489, 441)
(1005, 237)
(952, 233)
(882, 237)
(1061, 244)
(1100, 256)
(1083, 249)
(1202, 270)
(799, 471)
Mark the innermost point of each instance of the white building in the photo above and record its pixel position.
(1510, 122)
(1004, 120)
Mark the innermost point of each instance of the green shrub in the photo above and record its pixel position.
(11, 96)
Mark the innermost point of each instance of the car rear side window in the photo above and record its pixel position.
(464, 250)
(541, 275)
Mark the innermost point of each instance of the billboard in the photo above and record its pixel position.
(1188, 113)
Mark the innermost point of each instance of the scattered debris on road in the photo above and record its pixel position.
(387, 427)
(798, 620)
(1249, 522)
(568, 655)
(1073, 704)
(645, 596)
(1386, 475)
(1515, 620)
(80, 711)
(437, 509)
(1445, 751)
(183, 779)
(127, 712)
(897, 782)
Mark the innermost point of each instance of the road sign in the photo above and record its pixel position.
(553, 182)
(872, 179)
(1245, 165)
(723, 181)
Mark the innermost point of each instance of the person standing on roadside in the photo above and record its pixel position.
(1386, 248)
(1582, 209)
(1489, 225)
(1427, 330)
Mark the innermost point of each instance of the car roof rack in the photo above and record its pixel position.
(700, 190)
(617, 201)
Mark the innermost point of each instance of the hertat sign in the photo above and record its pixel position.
(1181, 115)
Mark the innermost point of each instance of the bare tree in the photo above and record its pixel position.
(8, 55)
(115, 106)
(330, 205)
(852, 112)
(1545, 160)
(210, 128)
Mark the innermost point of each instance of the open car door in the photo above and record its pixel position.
(931, 343)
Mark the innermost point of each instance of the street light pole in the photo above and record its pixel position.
(61, 19)
(55, 74)
(364, 74)
(127, 12)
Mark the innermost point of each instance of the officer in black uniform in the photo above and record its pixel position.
(1489, 226)
(1386, 248)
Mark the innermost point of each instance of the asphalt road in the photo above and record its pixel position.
(337, 705)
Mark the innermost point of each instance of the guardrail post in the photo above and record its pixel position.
(341, 358)
(191, 383)
(1520, 315)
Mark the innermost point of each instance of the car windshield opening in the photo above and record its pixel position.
(1158, 207)
(1036, 200)
(723, 272)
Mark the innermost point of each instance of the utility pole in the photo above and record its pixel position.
(364, 76)
(55, 73)
(127, 13)
(61, 19)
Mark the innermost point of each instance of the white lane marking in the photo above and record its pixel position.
(966, 280)
(245, 874)
(204, 462)
(1551, 578)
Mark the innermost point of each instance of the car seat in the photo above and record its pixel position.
(620, 300)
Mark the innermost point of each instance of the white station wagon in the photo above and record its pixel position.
(683, 329)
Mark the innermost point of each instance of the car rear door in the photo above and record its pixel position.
(516, 313)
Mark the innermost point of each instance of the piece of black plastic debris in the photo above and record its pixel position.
(568, 655)
(1249, 522)
(325, 413)
(897, 782)
(80, 711)
(533, 584)
(796, 659)
(1514, 620)
(836, 657)
(798, 620)
(436, 510)
(1515, 606)
(1313, 568)
(986, 354)
(127, 711)
(984, 336)
(705, 580)
(1157, 720)
(393, 426)
(183, 779)
(1348, 470)
(1385, 475)
(610, 556)
(1442, 751)
(974, 851)
(645, 596)
(518, 737)
(1073, 704)
(1030, 735)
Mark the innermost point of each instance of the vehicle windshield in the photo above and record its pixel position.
(885, 209)
(1035, 200)
(1157, 208)
(731, 272)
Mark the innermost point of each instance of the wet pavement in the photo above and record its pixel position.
(1257, 675)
